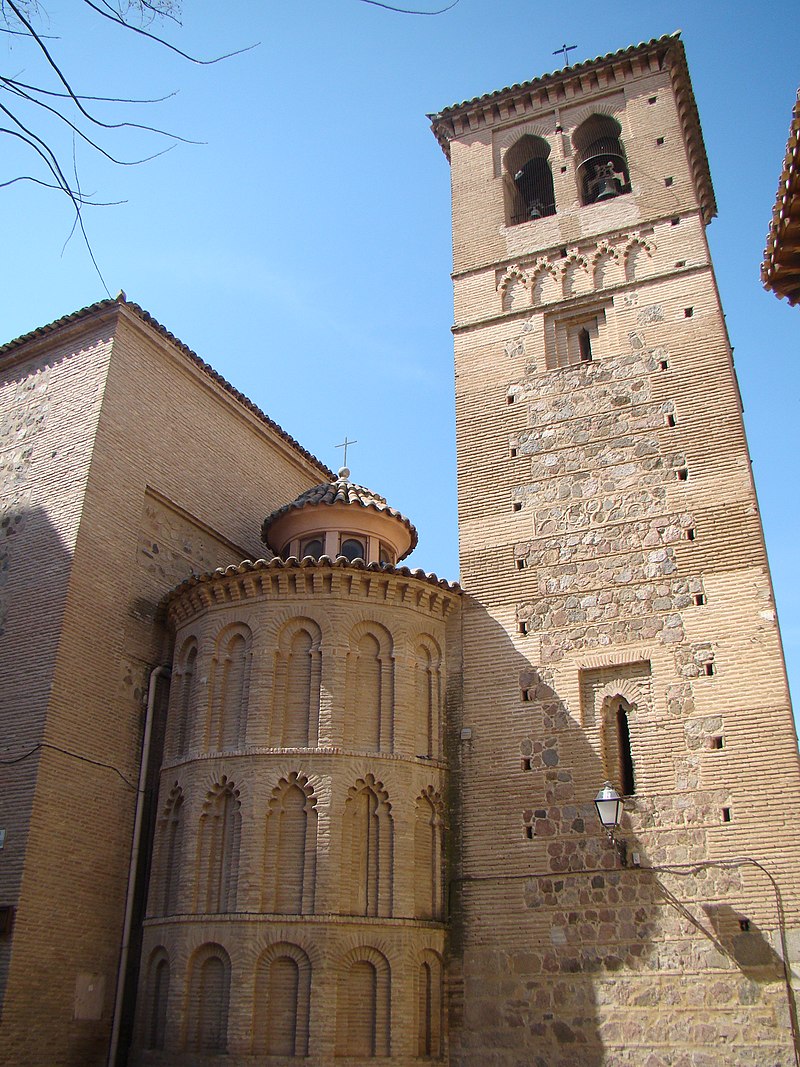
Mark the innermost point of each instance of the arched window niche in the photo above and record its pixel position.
(528, 181)
(617, 754)
(601, 164)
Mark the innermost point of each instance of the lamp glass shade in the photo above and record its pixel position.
(609, 806)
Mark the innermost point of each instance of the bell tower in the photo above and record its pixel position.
(620, 623)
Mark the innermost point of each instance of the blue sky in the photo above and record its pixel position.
(304, 248)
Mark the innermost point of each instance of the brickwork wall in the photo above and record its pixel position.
(612, 553)
(332, 839)
(51, 402)
(163, 445)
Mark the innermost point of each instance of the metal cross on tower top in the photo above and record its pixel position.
(344, 445)
(564, 50)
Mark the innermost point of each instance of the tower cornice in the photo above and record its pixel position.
(566, 86)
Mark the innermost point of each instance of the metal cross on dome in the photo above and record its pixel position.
(564, 50)
(344, 445)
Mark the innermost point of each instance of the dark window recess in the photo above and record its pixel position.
(663, 365)
(313, 548)
(513, 451)
(668, 182)
(530, 192)
(522, 563)
(744, 925)
(352, 549)
(716, 742)
(529, 832)
(527, 695)
(526, 763)
(670, 420)
(659, 141)
(563, 170)
(699, 599)
(585, 345)
(563, 253)
(602, 164)
(688, 312)
(675, 222)
(523, 627)
(708, 668)
(516, 506)
(682, 474)
(625, 758)
(510, 398)
(6, 918)
(652, 99)
(726, 814)
(681, 263)
(690, 534)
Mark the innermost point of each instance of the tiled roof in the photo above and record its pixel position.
(780, 270)
(563, 72)
(249, 566)
(340, 491)
(121, 302)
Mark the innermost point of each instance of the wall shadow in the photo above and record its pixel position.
(561, 952)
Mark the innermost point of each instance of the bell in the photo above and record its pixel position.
(535, 210)
(605, 184)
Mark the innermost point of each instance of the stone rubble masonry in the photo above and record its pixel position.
(113, 442)
(611, 550)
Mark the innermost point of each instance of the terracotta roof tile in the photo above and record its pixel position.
(340, 491)
(780, 269)
(340, 563)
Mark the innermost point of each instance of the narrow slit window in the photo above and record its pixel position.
(688, 313)
(726, 814)
(625, 758)
(585, 345)
(526, 763)
(527, 696)
(516, 506)
(513, 451)
(675, 222)
(659, 141)
(663, 365)
(523, 627)
(708, 667)
(522, 563)
(682, 474)
(691, 534)
(652, 99)
(670, 420)
(668, 182)
(699, 599)
(717, 742)
(529, 832)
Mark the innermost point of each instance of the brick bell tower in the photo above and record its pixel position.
(620, 623)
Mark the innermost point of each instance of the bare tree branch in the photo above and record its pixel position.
(409, 11)
(112, 16)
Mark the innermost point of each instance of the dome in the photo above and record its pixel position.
(340, 518)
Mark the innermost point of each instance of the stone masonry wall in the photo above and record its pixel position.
(615, 566)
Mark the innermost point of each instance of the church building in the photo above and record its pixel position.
(269, 796)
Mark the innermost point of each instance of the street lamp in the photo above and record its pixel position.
(609, 810)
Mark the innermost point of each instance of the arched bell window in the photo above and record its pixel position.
(528, 180)
(601, 164)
